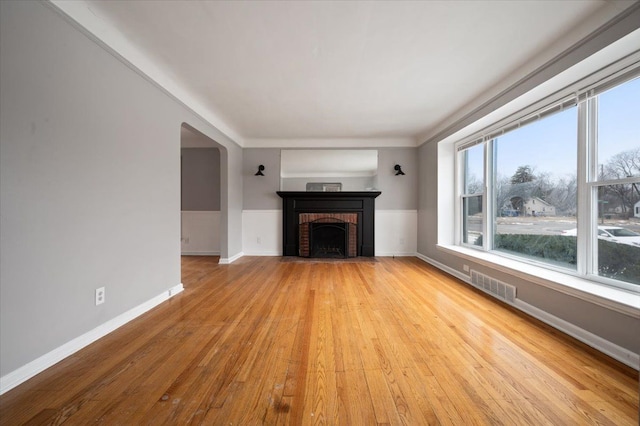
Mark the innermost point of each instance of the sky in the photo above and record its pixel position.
(550, 145)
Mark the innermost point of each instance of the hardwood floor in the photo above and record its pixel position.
(381, 341)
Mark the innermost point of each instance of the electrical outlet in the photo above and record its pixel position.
(259, 240)
(99, 296)
(465, 268)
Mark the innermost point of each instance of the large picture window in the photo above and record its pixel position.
(562, 187)
(536, 191)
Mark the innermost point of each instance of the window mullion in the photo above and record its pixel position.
(489, 199)
(458, 216)
(587, 252)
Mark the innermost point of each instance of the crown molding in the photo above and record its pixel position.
(391, 142)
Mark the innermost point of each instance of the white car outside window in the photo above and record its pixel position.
(614, 234)
(619, 235)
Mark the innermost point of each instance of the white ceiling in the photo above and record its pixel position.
(384, 70)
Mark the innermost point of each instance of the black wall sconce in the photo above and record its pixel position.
(260, 169)
(398, 170)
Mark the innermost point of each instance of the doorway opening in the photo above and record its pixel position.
(202, 215)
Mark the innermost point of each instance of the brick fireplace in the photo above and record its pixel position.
(328, 224)
(328, 235)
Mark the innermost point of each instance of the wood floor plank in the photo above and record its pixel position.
(355, 405)
(384, 407)
(283, 341)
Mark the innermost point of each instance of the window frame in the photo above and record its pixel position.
(586, 101)
(461, 163)
(592, 183)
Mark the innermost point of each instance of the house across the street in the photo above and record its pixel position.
(538, 207)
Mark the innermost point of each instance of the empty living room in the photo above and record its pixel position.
(313, 212)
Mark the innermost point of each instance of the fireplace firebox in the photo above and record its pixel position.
(331, 235)
(328, 224)
(328, 239)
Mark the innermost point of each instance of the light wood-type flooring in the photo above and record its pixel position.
(382, 341)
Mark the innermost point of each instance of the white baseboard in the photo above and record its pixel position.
(447, 269)
(395, 254)
(201, 253)
(228, 260)
(264, 253)
(616, 352)
(24, 373)
(619, 353)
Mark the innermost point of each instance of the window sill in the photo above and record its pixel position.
(625, 302)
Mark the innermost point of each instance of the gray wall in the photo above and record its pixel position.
(260, 191)
(231, 186)
(200, 179)
(428, 201)
(90, 184)
(611, 325)
(398, 192)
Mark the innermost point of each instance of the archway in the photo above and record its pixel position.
(203, 194)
